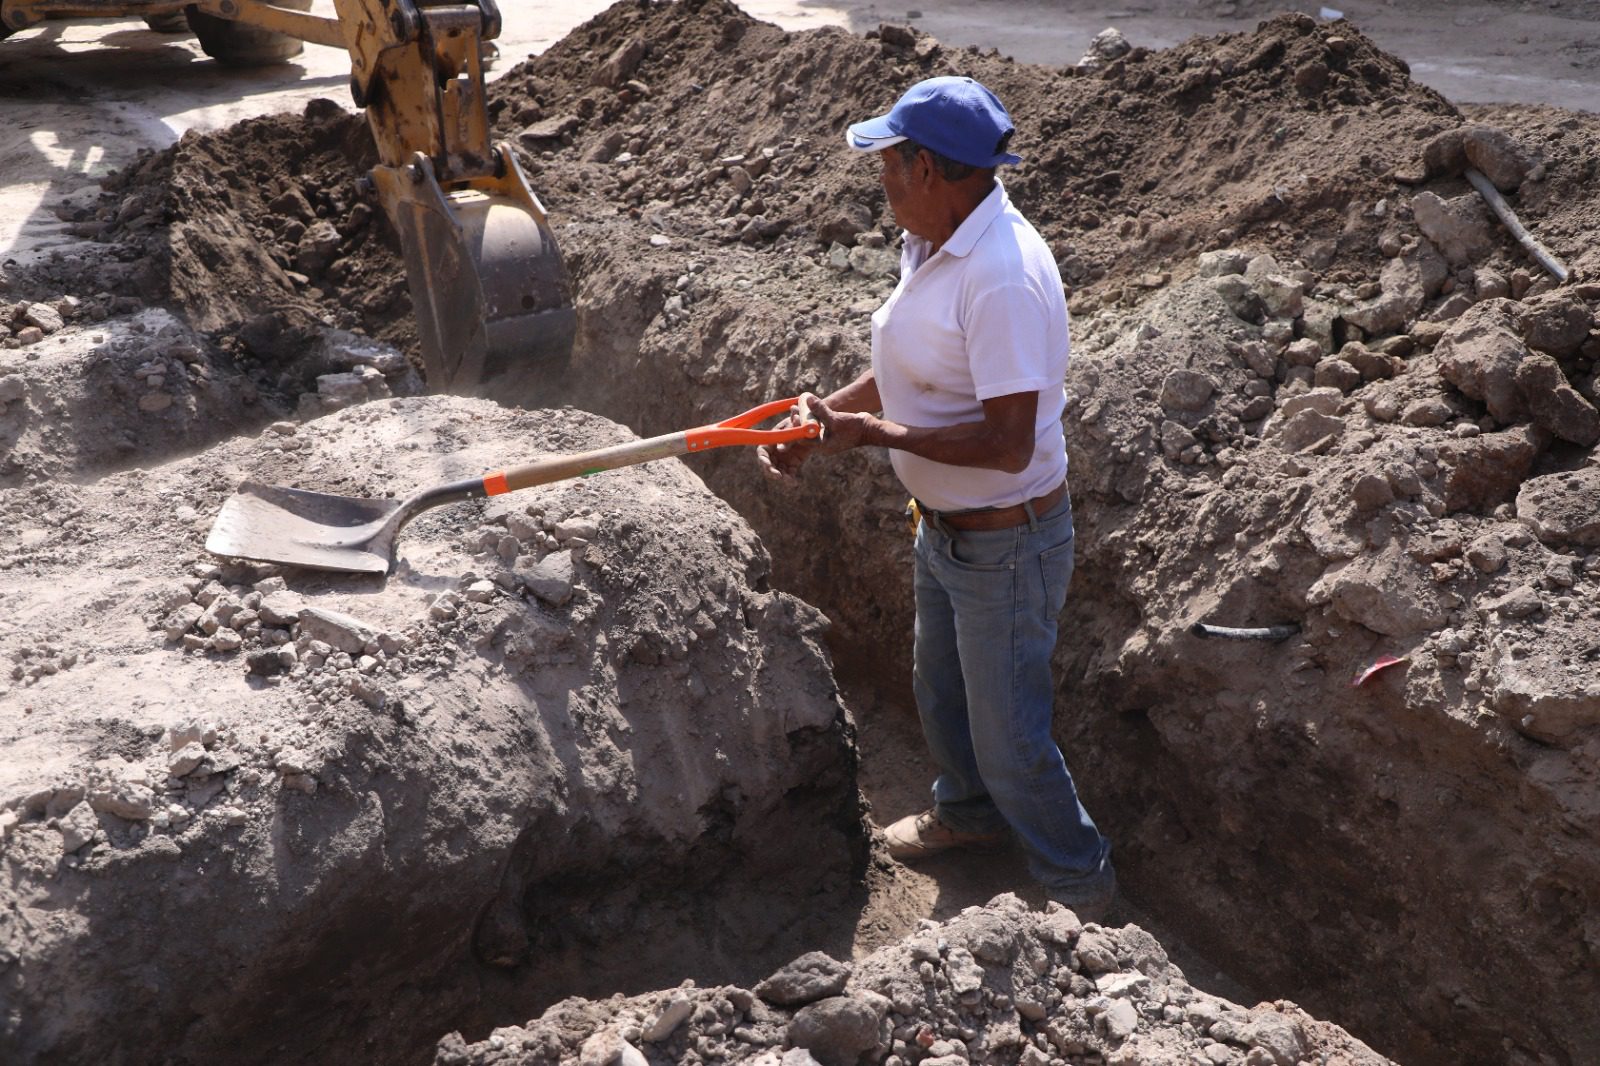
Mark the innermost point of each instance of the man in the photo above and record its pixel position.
(969, 358)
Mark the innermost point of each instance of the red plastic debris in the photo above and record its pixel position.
(1382, 662)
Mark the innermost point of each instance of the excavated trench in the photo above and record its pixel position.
(1295, 398)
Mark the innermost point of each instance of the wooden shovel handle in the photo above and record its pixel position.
(735, 430)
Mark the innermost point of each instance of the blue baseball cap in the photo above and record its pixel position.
(956, 117)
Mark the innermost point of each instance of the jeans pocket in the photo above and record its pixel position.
(1055, 568)
(986, 552)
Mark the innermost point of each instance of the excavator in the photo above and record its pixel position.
(491, 294)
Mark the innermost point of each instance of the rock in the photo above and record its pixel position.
(551, 579)
(1107, 45)
(1280, 296)
(1520, 602)
(266, 662)
(1431, 411)
(29, 335)
(1240, 297)
(317, 248)
(582, 526)
(125, 799)
(1482, 472)
(1539, 696)
(672, 1015)
(1479, 355)
(808, 978)
(1406, 282)
(480, 591)
(1373, 366)
(842, 222)
(445, 607)
(1459, 228)
(1277, 333)
(155, 402)
(1501, 160)
(1277, 1035)
(186, 759)
(621, 64)
(1175, 439)
(1120, 1020)
(1121, 985)
(280, 608)
(1384, 591)
(226, 639)
(1557, 327)
(1490, 150)
(837, 1030)
(1307, 428)
(549, 129)
(348, 634)
(1317, 318)
(1334, 372)
(1554, 403)
(1060, 925)
(1097, 952)
(1560, 508)
(1311, 78)
(179, 622)
(1303, 352)
(1487, 553)
(873, 262)
(1490, 284)
(1371, 491)
(1186, 390)
(13, 387)
(45, 317)
(1219, 264)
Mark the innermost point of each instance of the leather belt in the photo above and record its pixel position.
(999, 517)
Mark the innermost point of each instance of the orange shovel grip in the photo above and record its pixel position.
(737, 430)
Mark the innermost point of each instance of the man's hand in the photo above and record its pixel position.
(841, 430)
(782, 462)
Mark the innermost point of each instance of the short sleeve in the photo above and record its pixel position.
(1007, 334)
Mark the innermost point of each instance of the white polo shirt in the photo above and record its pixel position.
(984, 316)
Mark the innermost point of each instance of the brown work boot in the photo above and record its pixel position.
(916, 836)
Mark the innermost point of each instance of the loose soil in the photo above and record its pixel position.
(1312, 384)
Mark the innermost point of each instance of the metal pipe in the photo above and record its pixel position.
(1273, 633)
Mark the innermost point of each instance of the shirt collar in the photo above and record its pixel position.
(965, 238)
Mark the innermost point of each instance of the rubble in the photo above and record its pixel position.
(991, 985)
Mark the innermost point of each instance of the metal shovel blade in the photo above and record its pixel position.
(273, 524)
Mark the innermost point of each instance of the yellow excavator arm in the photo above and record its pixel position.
(488, 286)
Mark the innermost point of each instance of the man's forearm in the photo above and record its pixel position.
(974, 444)
(860, 396)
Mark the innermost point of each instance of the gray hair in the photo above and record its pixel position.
(947, 167)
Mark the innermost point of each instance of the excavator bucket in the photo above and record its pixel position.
(490, 292)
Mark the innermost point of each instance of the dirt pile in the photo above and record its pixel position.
(265, 815)
(997, 984)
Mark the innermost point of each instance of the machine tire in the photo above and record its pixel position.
(238, 44)
(171, 22)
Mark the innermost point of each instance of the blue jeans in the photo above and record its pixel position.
(987, 603)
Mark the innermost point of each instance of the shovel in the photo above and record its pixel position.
(321, 531)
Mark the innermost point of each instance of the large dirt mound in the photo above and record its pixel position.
(258, 817)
